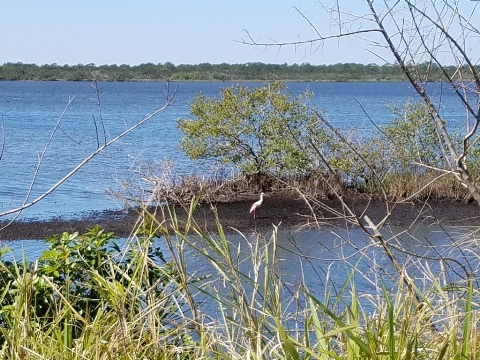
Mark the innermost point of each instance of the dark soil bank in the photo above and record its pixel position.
(287, 210)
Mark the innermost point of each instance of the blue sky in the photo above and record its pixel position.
(179, 31)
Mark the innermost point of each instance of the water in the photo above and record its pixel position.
(30, 110)
(320, 259)
(323, 260)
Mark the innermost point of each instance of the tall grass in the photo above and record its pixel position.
(86, 298)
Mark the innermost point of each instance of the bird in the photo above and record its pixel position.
(256, 205)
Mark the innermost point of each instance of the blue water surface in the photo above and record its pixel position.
(30, 110)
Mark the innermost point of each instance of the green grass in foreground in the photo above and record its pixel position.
(87, 298)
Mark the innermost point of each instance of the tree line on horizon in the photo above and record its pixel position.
(214, 72)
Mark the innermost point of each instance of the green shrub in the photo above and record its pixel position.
(85, 291)
(261, 130)
(412, 138)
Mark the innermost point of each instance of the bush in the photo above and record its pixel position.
(85, 291)
(262, 130)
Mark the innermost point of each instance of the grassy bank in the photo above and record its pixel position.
(86, 298)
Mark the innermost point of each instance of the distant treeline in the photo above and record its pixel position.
(214, 72)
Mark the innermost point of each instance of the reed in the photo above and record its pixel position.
(87, 297)
(262, 316)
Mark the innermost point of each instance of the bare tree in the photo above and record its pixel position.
(418, 36)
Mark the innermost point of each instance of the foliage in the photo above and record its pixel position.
(261, 313)
(212, 72)
(412, 137)
(83, 280)
(201, 72)
(260, 130)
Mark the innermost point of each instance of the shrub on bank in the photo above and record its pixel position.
(85, 297)
(265, 132)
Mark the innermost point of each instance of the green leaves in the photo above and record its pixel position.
(260, 130)
(69, 270)
(413, 137)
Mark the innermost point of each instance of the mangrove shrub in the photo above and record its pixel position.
(260, 130)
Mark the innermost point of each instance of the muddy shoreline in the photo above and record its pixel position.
(289, 211)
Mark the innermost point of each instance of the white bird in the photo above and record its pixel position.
(256, 205)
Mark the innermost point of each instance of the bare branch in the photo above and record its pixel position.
(100, 117)
(26, 204)
(250, 41)
(44, 151)
(3, 140)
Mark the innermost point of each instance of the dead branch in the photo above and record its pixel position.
(170, 98)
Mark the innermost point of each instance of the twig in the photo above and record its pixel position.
(26, 204)
(3, 139)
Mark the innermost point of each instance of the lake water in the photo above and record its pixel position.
(30, 110)
(326, 261)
